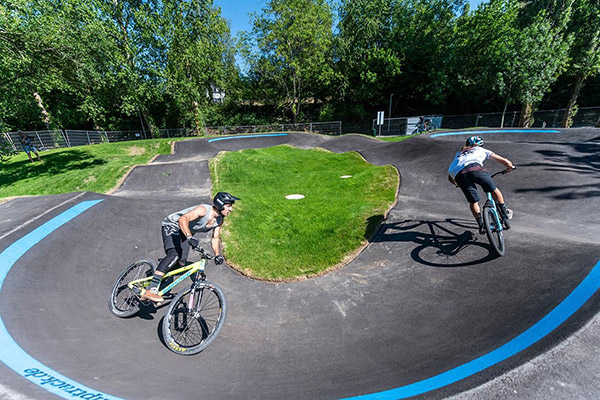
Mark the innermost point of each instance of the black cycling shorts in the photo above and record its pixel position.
(466, 181)
(178, 242)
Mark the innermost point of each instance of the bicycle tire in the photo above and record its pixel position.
(493, 231)
(431, 127)
(124, 301)
(188, 334)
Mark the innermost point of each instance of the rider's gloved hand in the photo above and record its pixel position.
(218, 260)
(193, 242)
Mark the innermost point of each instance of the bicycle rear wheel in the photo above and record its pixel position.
(125, 301)
(431, 127)
(493, 230)
(194, 319)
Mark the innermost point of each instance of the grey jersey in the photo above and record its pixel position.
(171, 223)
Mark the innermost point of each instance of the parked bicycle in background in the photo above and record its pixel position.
(425, 125)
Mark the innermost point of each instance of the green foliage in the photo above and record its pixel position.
(111, 64)
(288, 51)
(6, 150)
(297, 238)
(119, 64)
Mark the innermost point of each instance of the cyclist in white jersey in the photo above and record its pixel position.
(178, 231)
(466, 170)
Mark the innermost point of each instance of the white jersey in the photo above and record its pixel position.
(471, 155)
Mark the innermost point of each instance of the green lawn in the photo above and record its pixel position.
(270, 237)
(96, 168)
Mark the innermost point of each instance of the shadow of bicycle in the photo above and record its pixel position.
(447, 243)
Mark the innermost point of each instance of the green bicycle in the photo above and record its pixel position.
(196, 314)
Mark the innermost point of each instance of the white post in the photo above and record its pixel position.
(39, 138)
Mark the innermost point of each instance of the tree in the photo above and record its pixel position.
(199, 59)
(287, 50)
(367, 66)
(423, 35)
(483, 52)
(541, 53)
(585, 52)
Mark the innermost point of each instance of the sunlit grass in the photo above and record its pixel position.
(271, 237)
(95, 168)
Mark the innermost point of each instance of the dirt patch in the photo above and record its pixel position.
(136, 151)
(90, 179)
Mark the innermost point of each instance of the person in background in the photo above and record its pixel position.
(28, 145)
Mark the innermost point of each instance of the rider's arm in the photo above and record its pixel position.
(505, 161)
(451, 180)
(216, 241)
(184, 220)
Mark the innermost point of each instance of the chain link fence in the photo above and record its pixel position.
(44, 140)
(585, 117)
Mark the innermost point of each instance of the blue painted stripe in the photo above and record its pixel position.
(496, 131)
(11, 353)
(247, 136)
(582, 293)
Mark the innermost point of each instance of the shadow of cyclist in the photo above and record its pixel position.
(447, 243)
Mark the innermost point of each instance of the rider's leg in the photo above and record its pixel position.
(172, 245)
(476, 211)
(466, 183)
(497, 195)
(165, 264)
(484, 179)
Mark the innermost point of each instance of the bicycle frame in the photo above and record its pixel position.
(198, 266)
(491, 203)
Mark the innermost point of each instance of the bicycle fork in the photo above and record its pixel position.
(492, 204)
(194, 292)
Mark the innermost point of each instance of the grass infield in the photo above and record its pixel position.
(270, 237)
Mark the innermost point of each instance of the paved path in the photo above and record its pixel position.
(406, 309)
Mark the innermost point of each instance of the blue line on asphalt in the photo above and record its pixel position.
(582, 293)
(497, 131)
(11, 353)
(247, 136)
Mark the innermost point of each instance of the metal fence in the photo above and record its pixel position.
(586, 116)
(324, 128)
(44, 140)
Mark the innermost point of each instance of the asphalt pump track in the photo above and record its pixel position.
(424, 310)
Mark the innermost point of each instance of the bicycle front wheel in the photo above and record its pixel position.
(194, 319)
(125, 301)
(493, 230)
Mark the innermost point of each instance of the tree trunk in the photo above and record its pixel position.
(504, 113)
(525, 118)
(198, 119)
(567, 115)
(45, 115)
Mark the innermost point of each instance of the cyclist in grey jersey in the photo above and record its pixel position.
(178, 231)
(171, 223)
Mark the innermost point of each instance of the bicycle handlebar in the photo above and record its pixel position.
(503, 172)
(203, 253)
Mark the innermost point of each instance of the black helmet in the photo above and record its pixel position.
(223, 198)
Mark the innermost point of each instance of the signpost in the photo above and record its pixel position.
(380, 119)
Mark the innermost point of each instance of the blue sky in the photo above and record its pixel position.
(236, 12)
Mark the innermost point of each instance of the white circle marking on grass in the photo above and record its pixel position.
(294, 196)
